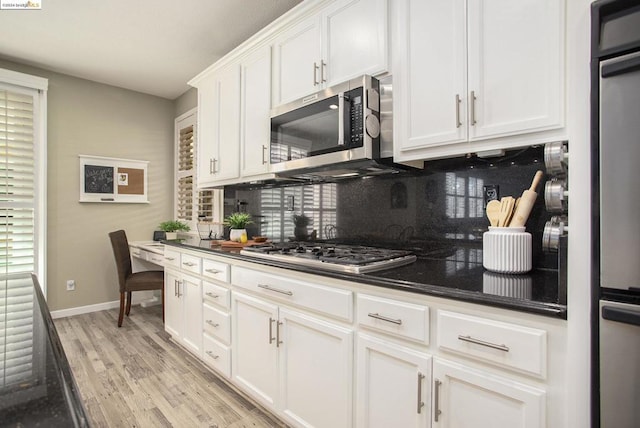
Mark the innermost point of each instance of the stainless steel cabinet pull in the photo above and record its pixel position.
(264, 158)
(436, 400)
(210, 294)
(212, 355)
(458, 101)
(383, 318)
(323, 67)
(268, 287)
(175, 287)
(271, 338)
(170, 258)
(420, 402)
(470, 339)
(211, 323)
(473, 107)
(278, 341)
(190, 264)
(212, 270)
(315, 74)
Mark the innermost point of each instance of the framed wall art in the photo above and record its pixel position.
(113, 180)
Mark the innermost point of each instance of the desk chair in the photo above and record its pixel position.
(129, 281)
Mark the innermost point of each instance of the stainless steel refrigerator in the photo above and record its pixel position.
(615, 94)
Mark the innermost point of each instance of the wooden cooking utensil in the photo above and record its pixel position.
(493, 212)
(526, 202)
(506, 210)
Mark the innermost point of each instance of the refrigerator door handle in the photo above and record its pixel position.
(621, 315)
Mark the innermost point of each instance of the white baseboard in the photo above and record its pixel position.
(139, 297)
(63, 313)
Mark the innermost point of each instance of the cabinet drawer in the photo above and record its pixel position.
(190, 263)
(400, 319)
(135, 252)
(171, 258)
(216, 355)
(216, 295)
(215, 270)
(507, 345)
(155, 258)
(327, 300)
(216, 323)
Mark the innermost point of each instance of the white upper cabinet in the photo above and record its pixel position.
(474, 71)
(346, 39)
(516, 69)
(255, 126)
(218, 153)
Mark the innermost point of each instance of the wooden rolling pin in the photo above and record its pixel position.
(525, 205)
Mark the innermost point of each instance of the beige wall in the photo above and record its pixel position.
(186, 101)
(89, 118)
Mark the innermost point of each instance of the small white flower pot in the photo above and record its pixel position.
(236, 234)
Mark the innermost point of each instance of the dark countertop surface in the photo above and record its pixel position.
(37, 388)
(454, 272)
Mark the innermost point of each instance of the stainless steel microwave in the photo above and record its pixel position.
(336, 126)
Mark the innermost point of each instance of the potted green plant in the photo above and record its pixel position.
(301, 222)
(237, 223)
(172, 227)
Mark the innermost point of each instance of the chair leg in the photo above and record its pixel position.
(128, 303)
(162, 305)
(121, 309)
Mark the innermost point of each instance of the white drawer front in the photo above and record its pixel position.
(215, 270)
(216, 323)
(216, 295)
(507, 345)
(216, 355)
(327, 300)
(154, 258)
(400, 319)
(135, 252)
(171, 258)
(190, 263)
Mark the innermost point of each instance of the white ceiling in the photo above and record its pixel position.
(150, 46)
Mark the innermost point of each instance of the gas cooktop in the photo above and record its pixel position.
(340, 258)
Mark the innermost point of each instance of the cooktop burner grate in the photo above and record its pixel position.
(342, 258)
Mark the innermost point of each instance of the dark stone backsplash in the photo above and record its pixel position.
(438, 207)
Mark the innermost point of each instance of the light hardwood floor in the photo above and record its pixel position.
(135, 376)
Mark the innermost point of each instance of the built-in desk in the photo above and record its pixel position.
(146, 255)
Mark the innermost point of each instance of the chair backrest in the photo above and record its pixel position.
(123, 257)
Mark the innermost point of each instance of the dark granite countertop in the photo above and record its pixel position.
(455, 273)
(38, 388)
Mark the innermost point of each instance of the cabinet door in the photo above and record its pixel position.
(172, 304)
(393, 385)
(254, 352)
(192, 310)
(355, 39)
(256, 105)
(316, 371)
(297, 61)
(471, 398)
(227, 121)
(429, 65)
(206, 140)
(516, 57)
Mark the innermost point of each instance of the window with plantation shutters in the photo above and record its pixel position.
(191, 204)
(318, 202)
(22, 210)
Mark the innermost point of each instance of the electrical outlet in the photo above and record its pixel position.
(490, 192)
(71, 285)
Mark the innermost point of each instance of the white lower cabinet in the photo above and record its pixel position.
(183, 310)
(393, 385)
(298, 365)
(466, 397)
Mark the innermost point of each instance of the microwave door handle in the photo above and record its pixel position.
(341, 114)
